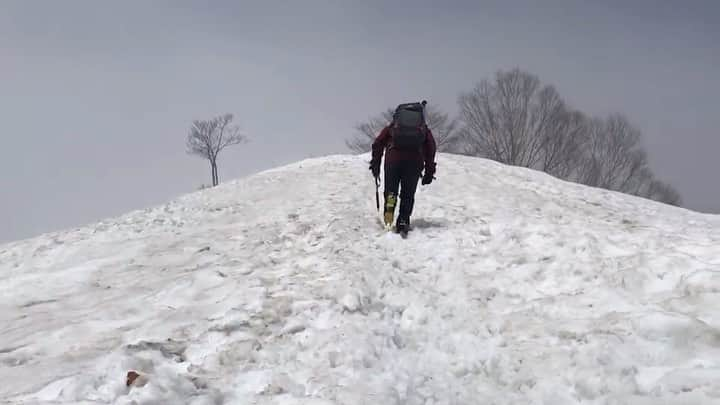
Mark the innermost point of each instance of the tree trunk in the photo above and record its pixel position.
(212, 173)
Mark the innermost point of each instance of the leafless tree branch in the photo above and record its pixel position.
(515, 120)
(207, 138)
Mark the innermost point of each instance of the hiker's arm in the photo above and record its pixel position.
(429, 150)
(379, 144)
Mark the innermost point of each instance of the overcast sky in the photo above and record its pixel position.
(96, 97)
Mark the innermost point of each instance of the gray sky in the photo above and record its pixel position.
(96, 97)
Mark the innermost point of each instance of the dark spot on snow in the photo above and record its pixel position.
(199, 383)
(230, 327)
(131, 377)
(10, 349)
(37, 302)
(292, 329)
(205, 249)
(14, 361)
(421, 223)
(170, 348)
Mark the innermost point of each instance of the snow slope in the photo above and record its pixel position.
(281, 288)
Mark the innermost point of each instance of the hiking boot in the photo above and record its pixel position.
(402, 225)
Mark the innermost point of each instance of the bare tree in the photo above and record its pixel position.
(614, 159)
(562, 144)
(367, 131)
(444, 129)
(613, 156)
(663, 192)
(517, 121)
(208, 137)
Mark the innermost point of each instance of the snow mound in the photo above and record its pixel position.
(282, 288)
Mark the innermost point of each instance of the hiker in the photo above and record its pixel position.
(410, 149)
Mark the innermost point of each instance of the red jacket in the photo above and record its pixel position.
(426, 156)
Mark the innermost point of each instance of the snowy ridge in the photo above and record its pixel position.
(281, 288)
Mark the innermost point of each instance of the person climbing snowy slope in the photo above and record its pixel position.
(410, 149)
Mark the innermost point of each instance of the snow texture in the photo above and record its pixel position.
(282, 288)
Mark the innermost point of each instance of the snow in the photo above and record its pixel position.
(282, 288)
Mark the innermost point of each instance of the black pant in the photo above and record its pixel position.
(403, 175)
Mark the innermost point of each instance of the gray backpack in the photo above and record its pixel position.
(408, 127)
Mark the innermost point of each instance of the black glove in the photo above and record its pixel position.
(375, 168)
(427, 179)
(429, 175)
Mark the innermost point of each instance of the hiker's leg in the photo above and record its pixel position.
(408, 186)
(392, 184)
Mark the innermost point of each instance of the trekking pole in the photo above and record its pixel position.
(377, 194)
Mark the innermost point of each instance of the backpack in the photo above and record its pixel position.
(408, 127)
